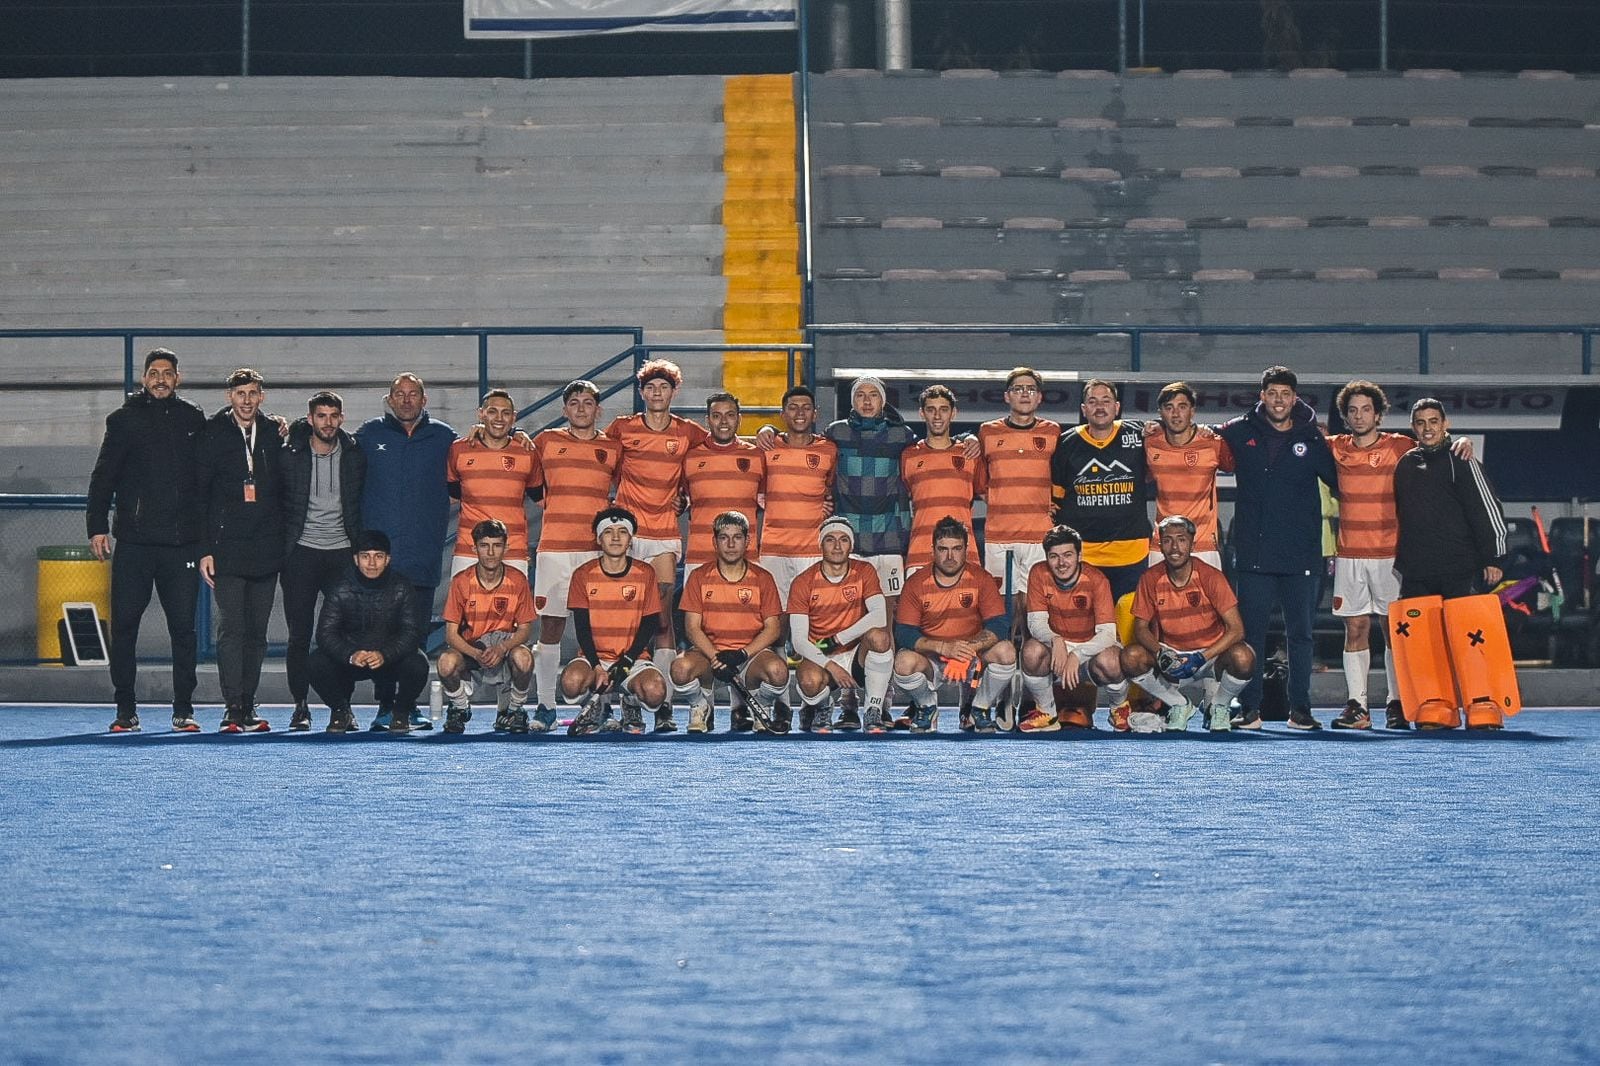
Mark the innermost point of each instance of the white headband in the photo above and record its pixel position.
(838, 522)
(613, 523)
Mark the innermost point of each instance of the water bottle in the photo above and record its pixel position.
(436, 701)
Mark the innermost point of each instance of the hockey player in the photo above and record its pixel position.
(838, 620)
(1072, 637)
(488, 619)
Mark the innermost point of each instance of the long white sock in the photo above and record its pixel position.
(770, 692)
(1229, 686)
(689, 689)
(1116, 692)
(518, 698)
(1392, 692)
(1161, 690)
(818, 700)
(1356, 665)
(919, 689)
(1043, 691)
(546, 668)
(460, 697)
(878, 669)
(992, 684)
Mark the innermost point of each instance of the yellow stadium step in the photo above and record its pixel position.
(740, 214)
(756, 260)
(761, 316)
(760, 185)
(764, 289)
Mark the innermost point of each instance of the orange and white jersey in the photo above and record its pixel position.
(940, 481)
(578, 475)
(731, 612)
(722, 477)
(494, 484)
(1073, 613)
(1186, 483)
(477, 611)
(1017, 475)
(832, 606)
(650, 477)
(1187, 618)
(617, 604)
(799, 481)
(1368, 526)
(949, 612)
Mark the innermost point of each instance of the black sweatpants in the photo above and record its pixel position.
(335, 680)
(172, 572)
(382, 688)
(307, 572)
(244, 610)
(1450, 586)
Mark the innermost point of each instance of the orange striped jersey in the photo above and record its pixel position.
(494, 484)
(651, 475)
(1017, 469)
(722, 477)
(475, 610)
(1186, 483)
(1368, 525)
(616, 604)
(954, 613)
(941, 481)
(1076, 611)
(1190, 618)
(731, 612)
(577, 486)
(799, 479)
(833, 606)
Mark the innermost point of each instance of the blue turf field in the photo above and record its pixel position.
(1267, 898)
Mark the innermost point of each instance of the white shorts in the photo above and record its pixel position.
(1214, 558)
(497, 675)
(552, 579)
(1364, 586)
(459, 563)
(646, 550)
(785, 568)
(1023, 556)
(891, 572)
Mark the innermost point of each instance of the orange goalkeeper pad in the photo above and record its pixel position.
(1422, 661)
(1480, 652)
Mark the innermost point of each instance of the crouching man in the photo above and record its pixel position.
(488, 618)
(1186, 629)
(1072, 638)
(368, 631)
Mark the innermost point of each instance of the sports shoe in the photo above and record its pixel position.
(400, 723)
(127, 722)
(781, 717)
(1217, 717)
(983, 721)
(381, 723)
(632, 717)
(1147, 722)
(1119, 716)
(519, 721)
(1037, 721)
(543, 720)
(232, 721)
(341, 720)
(700, 715)
(849, 719)
(1395, 716)
(876, 721)
(740, 720)
(1300, 718)
(902, 721)
(502, 720)
(821, 721)
(664, 722)
(1354, 716)
(456, 719)
(183, 722)
(1246, 718)
(964, 720)
(420, 720)
(926, 719)
(300, 720)
(592, 714)
(1076, 718)
(1178, 716)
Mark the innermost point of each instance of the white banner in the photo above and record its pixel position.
(569, 18)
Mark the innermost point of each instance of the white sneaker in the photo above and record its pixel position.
(1220, 722)
(1178, 716)
(700, 715)
(1147, 722)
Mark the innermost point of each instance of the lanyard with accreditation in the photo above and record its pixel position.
(249, 461)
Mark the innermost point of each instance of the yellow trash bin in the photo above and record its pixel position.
(68, 573)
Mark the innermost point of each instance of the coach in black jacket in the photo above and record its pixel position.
(1452, 526)
(240, 477)
(368, 631)
(1279, 455)
(147, 466)
(323, 474)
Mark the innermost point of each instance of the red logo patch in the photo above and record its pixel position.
(630, 593)
(1080, 602)
(967, 599)
(851, 593)
(959, 462)
(1191, 459)
(746, 595)
(813, 461)
(539, 602)
(507, 463)
(501, 603)
(742, 464)
(1374, 459)
(601, 455)
(672, 447)
(1038, 444)
(1194, 599)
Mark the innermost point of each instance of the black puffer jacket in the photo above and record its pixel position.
(244, 539)
(147, 464)
(363, 614)
(297, 462)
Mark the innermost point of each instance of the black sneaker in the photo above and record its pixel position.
(399, 722)
(849, 719)
(1354, 716)
(341, 720)
(782, 716)
(1394, 716)
(1246, 718)
(664, 722)
(740, 720)
(300, 720)
(127, 722)
(254, 723)
(983, 721)
(183, 722)
(232, 721)
(456, 719)
(1300, 718)
(519, 721)
(632, 718)
(502, 720)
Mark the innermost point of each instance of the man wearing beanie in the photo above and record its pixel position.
(368, 631)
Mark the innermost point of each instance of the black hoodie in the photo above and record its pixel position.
(147, 464)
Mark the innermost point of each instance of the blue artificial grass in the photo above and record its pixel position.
(1250, 898)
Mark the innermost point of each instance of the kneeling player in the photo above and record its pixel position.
(1072, 637)
(950, 618)
(616, 611)
(488, 618)
(838, 616)
(732, 615)
(1186, 628)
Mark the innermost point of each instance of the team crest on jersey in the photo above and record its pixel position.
(814, 461)
(958, 461)
(851, 593)
(672, 447)
(630, 593)
(602, 456)
(1080, 602)
(1191, 459)
(1194, 599)
(746, 595)
(507, 463)
(966, 599)
(742, 464)
(1038, 444)
(1374, 459)
(500, 604)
